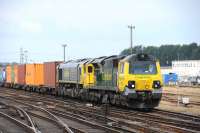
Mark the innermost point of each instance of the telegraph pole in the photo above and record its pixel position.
(64, 45)
(131, 36)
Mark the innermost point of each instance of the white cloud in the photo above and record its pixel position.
(84, 24)
(31, 26)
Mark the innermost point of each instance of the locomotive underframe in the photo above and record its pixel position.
(136, 99)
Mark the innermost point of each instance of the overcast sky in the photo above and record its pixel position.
(92, 28)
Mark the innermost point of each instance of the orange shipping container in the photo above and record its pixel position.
(34, 74)
(21, 74)
(8, 74)
(50, 73)
(15, 73)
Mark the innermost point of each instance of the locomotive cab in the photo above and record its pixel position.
(140, 79)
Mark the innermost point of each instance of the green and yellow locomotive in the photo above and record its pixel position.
(134, 81)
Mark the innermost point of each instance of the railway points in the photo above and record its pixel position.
(80, 117)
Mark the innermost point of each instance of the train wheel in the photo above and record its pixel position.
(123, 101)
(112, 99)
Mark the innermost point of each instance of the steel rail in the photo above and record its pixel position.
(42, 109)
(54, 121)
(26, 127)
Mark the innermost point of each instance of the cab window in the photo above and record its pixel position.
(60, 74)
(90, 69)
(142, 67)
(80, 72)
(122, 68)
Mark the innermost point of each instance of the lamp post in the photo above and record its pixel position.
(64, 45)
(131, 36)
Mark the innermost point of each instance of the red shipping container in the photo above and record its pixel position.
(50, 73)
(21, 74)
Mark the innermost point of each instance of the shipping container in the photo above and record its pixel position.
(8, 74)
(21, 74)
(170, 78)
(50, 73)
(2, 74)
(34, 74)
(14, 74)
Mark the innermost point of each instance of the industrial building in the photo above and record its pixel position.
(166, 70)
(183, 68)
(185, 71)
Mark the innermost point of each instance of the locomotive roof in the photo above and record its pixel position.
(139, 57)
(101, 59)
(69, 64)
(73, 63)
(97, 60)
(83, 61)
(112, 58)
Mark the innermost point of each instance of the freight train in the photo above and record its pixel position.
(133, 81)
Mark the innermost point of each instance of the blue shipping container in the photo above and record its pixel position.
(170, 78)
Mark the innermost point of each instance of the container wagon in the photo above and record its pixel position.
(21, 75)
(14, 76)
(8, 76)
(50, 72)
(34, 77)
(2, 75)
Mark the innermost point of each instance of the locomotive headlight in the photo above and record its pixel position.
(131, 84)
(156, 84)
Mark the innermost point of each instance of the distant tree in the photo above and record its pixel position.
(167, 53)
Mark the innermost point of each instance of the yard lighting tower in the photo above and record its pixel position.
(131, 36)
(64, 45)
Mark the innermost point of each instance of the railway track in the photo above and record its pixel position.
(18, 116)
(83, 125)
(33, 122)
(96, 127)
(119, 119)
(175, 100)
(193, 86)
(55, 119)
(174, 122)
(8, 121)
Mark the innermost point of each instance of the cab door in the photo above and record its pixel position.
(122, 75)
(81, 73)
(89, 77)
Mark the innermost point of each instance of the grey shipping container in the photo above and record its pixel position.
(50, 73)
(21, 74)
